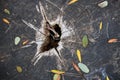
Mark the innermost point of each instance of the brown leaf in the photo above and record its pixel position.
(25, 42)
(76, 67)
(6, 21)
(112, 40)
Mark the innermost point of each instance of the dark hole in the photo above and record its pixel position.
(51, 40)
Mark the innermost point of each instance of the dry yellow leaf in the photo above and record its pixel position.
(101, 25)
(19, 69)
(79, 55)
(107, 78)
(72, 1)
(57, 71)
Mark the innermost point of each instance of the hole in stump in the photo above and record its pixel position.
(53, 37)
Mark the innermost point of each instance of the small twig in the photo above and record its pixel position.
(59, 55)
(107, 30)
(54, 5)
(82, 75)
(11, 26)
(33, 27)
(68, 74)
(43, 12)
(72, 74)
(66, 31)
(74, 42)
(8, 29)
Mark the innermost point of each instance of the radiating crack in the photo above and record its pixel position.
(41, 35)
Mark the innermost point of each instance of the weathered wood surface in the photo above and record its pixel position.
(83, 17)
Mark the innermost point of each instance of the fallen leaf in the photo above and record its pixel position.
(83, 67)
(25, 42)
(112, 40)
(76, 67)
(103, 4)
(79, 55)
(85, 41)
(107, 78)
(6, 21)
(72, 1)
(57, 71)
(19, 69)
(7, 11)
(56, 77)
(101, 25)
(17, 40)
(92, 40)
